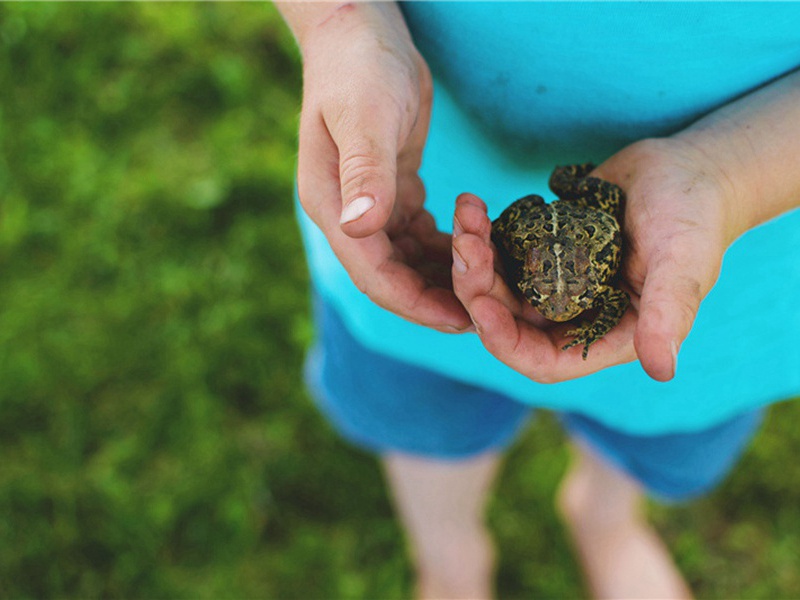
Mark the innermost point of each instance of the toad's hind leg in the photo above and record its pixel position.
(564, 181)
(526, 204)
(615, 303)
(572, 183)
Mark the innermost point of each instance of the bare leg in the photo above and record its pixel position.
(621, 554)
(441, 504)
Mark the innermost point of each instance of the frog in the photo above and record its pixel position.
(563, 257)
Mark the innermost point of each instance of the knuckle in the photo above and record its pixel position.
(372, 285)
(359, 164)
(688, 301)
(310, 203)
(678, 305)
(360, 171)
(361, 283)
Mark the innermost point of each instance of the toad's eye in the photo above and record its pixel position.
(532, 295)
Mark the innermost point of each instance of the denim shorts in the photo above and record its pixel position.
(385, 405)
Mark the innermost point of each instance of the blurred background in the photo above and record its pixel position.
(155, 436)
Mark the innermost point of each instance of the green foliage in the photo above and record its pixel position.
(156, 439)
(153, 311)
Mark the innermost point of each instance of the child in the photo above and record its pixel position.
(693, 110)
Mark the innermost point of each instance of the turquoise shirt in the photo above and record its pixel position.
(521, 87)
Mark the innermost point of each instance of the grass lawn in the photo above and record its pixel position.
(155, 436)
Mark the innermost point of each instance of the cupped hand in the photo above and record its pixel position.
(366, 109)
(680, 217)
(510, 328)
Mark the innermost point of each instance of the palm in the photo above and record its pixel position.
(674, 224)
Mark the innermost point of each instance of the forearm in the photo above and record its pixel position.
(756, 143)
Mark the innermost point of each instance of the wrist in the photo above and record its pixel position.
(312, 23)
(723, 169)
(303, 17)
(754, 142)
(684, 171)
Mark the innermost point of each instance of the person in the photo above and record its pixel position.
(693, 110)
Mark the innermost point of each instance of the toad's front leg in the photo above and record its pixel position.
(614, 304)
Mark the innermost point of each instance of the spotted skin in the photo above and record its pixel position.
(564, 256)
(572, 183)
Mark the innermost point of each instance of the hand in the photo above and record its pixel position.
(682, 214)
(510, 328)
(688, 198)
(679, 220)
(366, 109)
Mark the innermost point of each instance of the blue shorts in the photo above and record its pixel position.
(385, 405)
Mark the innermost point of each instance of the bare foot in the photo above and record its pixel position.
(621, 554)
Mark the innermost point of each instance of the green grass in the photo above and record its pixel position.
(155, 436)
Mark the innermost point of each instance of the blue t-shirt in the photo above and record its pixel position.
(521, 87)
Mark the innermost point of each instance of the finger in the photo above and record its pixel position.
(429, 250)
(508, 338)
(538, 353)
(367, 137)
(509, 328)
(474, 260)
(371, 262)
(474, 274)
(404, 291)
(674, 286)
(436, 244)
(401, 289)
(395, 286)
(473, 256)
(471, 215)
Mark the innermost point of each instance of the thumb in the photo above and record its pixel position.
(675, 285)
(368, 147)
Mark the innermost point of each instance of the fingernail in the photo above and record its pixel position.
(674, 347)
(458, 262)
(356, 209)
(476, 326)
(452, 329)
(457, 228)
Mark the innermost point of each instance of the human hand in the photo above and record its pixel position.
(688, 198)
(366, 109)
(680, 217)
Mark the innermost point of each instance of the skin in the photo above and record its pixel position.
(366, 109)
(364, 122)
(689, 197)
